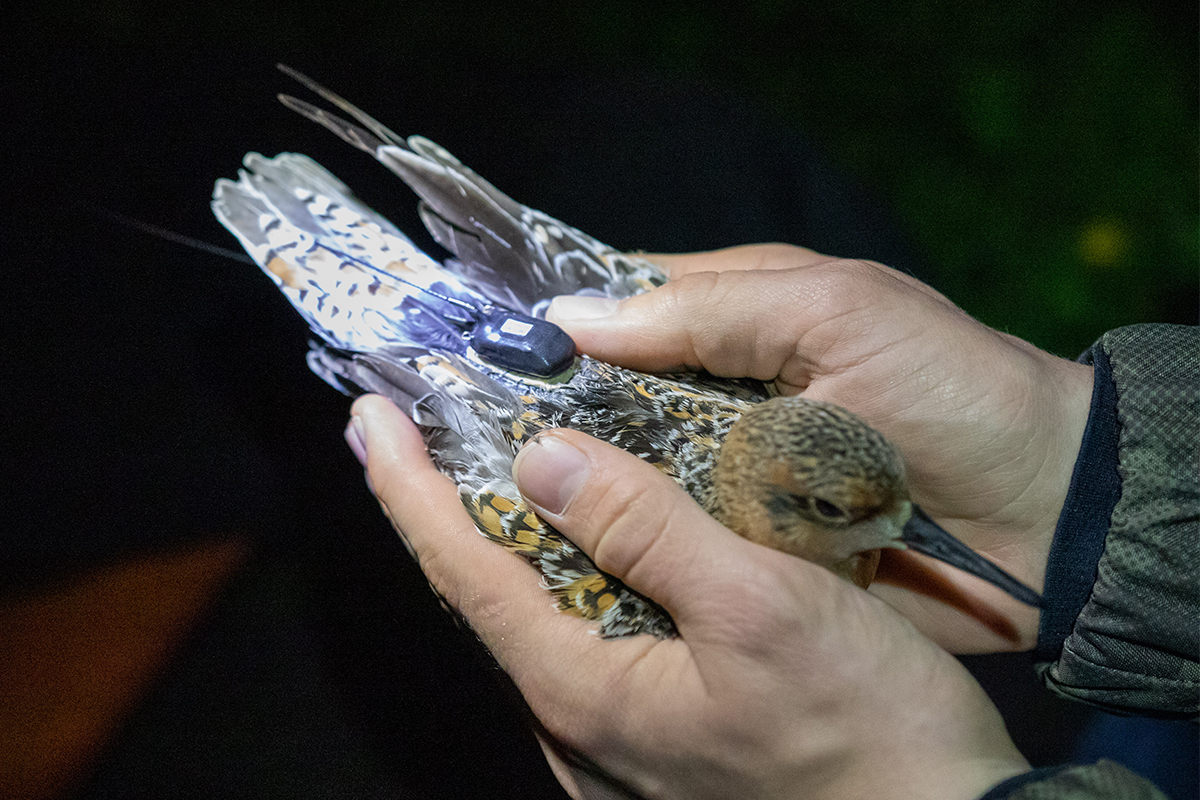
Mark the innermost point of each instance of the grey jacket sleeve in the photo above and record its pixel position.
(1121, 604)
(1119, 628)
(1103, 780)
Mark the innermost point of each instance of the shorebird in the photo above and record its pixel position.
(462, 348)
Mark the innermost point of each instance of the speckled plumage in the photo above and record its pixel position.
(812, 479)
(300, 224)
(389, 320)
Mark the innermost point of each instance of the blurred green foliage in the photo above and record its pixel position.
(1043, 154)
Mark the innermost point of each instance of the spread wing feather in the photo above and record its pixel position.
(357, 281)
(516, 255)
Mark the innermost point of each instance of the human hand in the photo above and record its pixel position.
(785, 681)
(988, 425)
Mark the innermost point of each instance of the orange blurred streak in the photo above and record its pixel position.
(77, 656)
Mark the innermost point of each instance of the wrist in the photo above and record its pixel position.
(1058, 403)
(1079, 535)
(1065, 389)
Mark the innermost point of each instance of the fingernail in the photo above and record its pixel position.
(570, 307)
(550, 472)
(356, 438)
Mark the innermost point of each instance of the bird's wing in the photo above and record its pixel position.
(357, 280)
(361, 286)
(518, 256)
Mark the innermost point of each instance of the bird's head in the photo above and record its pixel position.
(812, 479)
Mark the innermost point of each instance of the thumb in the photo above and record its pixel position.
(732, 312)
(725, 322)
(771, 312)
(637, 524)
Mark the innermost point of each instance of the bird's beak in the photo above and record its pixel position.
(925, 536)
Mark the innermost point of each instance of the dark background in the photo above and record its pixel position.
(1034, 160)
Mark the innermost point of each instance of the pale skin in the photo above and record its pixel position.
(785, 681)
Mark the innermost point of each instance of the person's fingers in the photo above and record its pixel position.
(746, 321)
(475, 576)
(499, 594)
(743, 257)
(706, 320)
(550, 655)
(640, 526)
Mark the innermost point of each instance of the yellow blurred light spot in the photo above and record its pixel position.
(1104, 242)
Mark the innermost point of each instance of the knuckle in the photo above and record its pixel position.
(477, 601)
(593, 731)
(676, 303)
(433, 561)
(847, 282)
(679, 300)
(610, 714)
(843, 295)
(435, 557)
(628, 515)
(776, 256)
(719, 313)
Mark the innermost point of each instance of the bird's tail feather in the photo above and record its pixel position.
(517, 256)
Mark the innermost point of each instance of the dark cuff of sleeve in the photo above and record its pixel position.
(1083, 525)
(1003, 790)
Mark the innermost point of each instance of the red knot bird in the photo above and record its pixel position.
(462, 348)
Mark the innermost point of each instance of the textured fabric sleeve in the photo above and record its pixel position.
(1104, 780)
(1122, 632)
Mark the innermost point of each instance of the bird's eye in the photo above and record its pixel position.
(826, 509)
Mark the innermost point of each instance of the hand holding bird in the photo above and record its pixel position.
(805, 477)
(774, 656)
(785, 680)
(989, 425)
